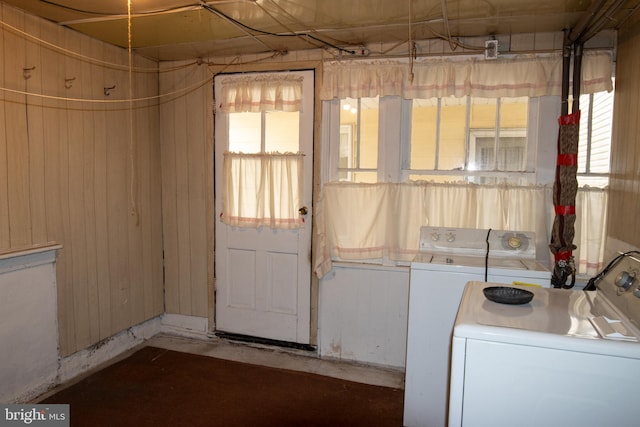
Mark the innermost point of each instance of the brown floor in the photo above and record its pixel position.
(162, 387)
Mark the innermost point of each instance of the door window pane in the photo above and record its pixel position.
(245, 132)
(282, 132)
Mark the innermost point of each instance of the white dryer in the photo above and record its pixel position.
(448, 259)
(566, 358)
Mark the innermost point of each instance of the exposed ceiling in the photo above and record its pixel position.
(189, 29)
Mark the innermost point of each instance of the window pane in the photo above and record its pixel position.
(282, 132)
(482, 123)
(452, 134)
(358, 138)
(424, 119)
(483, 114)
(601, 132)
(512, 144)
(244, 132)
(370, 110)
(506, 152)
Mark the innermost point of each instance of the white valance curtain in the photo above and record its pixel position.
(381, 222)
(522, 75)
(251, 93)
(262, 190)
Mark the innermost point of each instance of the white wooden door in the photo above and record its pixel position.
(263, 276)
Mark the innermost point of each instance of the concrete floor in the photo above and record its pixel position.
(278, 357)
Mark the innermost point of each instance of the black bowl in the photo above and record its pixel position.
(507, 295)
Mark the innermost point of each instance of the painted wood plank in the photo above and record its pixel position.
(169, 196)
(150, 185)
(5, 238)
(154, 193)
(68, 324)
(623, 223)
(35, 128)
(17, 135)
(136, 168)
(183, 194)
(100, 160)
(142, 119)
(76, 195)
(56, 183)
(117, 196)
(196, 151)
(84, 83)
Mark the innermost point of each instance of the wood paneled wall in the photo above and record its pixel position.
(186, 138)
(624, 199)
(83, 174)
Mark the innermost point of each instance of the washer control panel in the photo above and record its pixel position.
(473, 241)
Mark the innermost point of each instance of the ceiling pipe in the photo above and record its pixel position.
(606, 17)
(585, 20)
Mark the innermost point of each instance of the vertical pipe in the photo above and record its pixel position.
(577, 76)
(566, 64)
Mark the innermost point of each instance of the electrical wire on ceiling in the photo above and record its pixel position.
(245, 29)
(282, 10)
(286, 27)
(309, 36)
(453, 44)
(447, 29)
(301, 35)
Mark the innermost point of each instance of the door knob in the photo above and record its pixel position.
(303, 210)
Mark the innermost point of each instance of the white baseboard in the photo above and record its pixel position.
(188, 326)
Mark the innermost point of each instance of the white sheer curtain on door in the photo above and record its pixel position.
(262, 189)
(272, 92)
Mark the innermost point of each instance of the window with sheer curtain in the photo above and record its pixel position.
(262, 171)
(378, 218)
(381, 222)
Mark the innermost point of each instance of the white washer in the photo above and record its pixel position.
(567, 358)
(448, 259)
